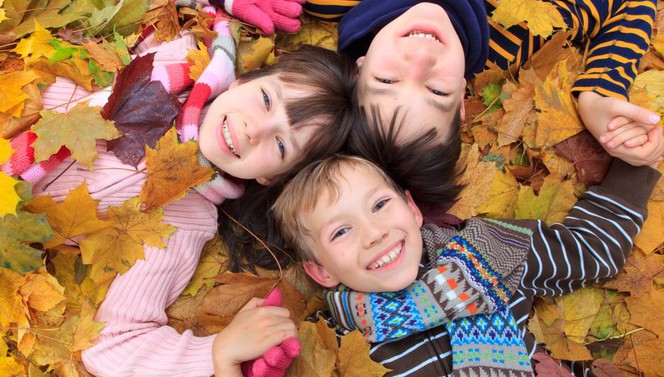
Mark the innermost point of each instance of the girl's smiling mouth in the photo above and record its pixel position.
(227, 137)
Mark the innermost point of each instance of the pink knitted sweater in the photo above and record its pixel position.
(136, 340)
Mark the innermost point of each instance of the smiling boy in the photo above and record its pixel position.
(436, 301)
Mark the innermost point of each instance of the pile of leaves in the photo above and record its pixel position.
(522, 139)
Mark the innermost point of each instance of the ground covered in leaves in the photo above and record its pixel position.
(523, 141)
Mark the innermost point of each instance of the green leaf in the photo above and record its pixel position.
(16, 235)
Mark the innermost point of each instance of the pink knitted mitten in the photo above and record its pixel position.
(276, 360)
(267, 14)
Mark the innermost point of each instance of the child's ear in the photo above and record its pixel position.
(413, 207)
(319, 274)
(462, 109)
(265, 181)
(360, 62)
(235, 83)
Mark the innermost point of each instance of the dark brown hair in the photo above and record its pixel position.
(329, 79)
(424, 166)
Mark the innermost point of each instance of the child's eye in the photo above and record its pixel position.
(266, 100)
(384, 81)
(282, 148)
(339, 233)
(437, 92)
(380, 204)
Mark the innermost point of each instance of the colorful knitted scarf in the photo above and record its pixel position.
(468, 282)
(215, 79)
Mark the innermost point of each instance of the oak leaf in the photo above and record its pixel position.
(353, 358)
(554, 201)
(142, 110)
(172, 169)
(74, 217)
(542, 17)
(119, 246)
(78, 130)
(16, 235)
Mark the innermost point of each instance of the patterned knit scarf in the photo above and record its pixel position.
(215, 79)
(470, 278)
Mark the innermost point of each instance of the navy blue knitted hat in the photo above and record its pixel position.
(356, 29)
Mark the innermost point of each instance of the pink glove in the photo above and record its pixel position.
(276, 360)
(267, 14)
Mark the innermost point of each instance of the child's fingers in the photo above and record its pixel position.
(636, 141)
(636, 136)
(634, 112)
(617, 137)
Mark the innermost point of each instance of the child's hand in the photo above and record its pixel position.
(647, 153)
(630, 122)
(268, 14)
(253, 331)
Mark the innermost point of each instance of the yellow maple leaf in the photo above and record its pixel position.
(208, 267)
(36, 46)
(254, 53)
(172, 169)
(353, 358)
(502, 195)
(652, 82)
(9, 367)
(75, 216)
(519, 109)
(11, 126)
(76, 278)
(541, 16)
(548, 326)
(10, 198)
(119, 246)
(104, 55)
(2, 18)
(554, 201)
(12, 309)
(579, 309)
(200, 60)
(477, 176)
(651, 235)
(88, 329)
(78, 130)
(12, 96)
(313, 32)
(319, 351)
(558, 118)
(41, 291)
(5, 150)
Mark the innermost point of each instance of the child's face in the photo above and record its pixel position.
(246, 132)
(415, 63)
(369, 239)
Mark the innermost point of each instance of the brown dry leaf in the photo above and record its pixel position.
(319, 351)
(590, 160)
(519, 109)
(547, 366)
(651, 235)
(477, 177)
(172, 169)
(75, 216)
(554, 201)
(353, 358)
(163, 15)
(641, 309)
(182, 314)
(641, 353)
(542, 17)
(556, 164)
(78, 130)
(638, 274)
(554, 50)
(559, 118)
(106, 56)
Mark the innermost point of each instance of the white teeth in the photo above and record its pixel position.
(228, 139)
(420, 34)
(387, 258)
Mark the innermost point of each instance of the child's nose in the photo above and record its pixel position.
(260, 129)
(420, 58)
(374, 234)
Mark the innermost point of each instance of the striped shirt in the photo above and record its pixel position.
(589, 246)
(618, 32)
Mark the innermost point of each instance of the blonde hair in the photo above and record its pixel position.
(302, 193)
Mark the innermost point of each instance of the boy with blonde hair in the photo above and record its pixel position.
(436, 301)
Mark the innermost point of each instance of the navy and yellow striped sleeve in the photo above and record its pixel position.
(619, 33)
(331, 10)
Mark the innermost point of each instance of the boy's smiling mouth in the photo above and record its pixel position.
(387, 258)
(423, 34)
(228, 138)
